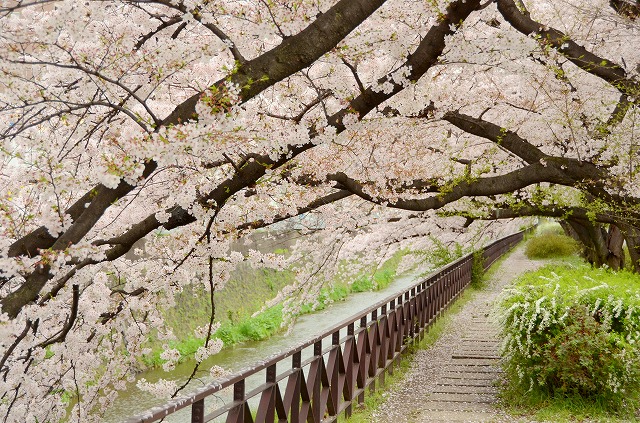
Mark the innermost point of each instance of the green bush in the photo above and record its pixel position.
(440, 254)
(574, 332)
(372, 277)
(254, 328)
(549, 245)
(477, 268)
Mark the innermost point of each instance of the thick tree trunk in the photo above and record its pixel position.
(632, 237)
(591, 240)
(600, 246)
(615, 241)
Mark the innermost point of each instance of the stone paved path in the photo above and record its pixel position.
(454, 380)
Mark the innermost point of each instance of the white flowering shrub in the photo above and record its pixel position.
(574, 332)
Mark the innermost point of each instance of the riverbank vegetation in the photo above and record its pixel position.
(240, 306)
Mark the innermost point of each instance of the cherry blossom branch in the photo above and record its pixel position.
(512, 211)
(5, 9)
(298, 52)
(551, 171)
(354, 72)
(253, 168)
(306, 47)
(292, 55)
(163, 25)
(77, 66)
(40, 238)
(417, 64)
(603, 68)
(578, 170)
(322, 95)
(72, 107)
(109, 315)
(428, 50)
(196, 12)
(13, 401)
(212, 315)
(273, 19)
(425, 55)
(623, 105)
(505, 139)
(628, 8)
(313, 205)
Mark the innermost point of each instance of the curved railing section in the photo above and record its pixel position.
(341, 364)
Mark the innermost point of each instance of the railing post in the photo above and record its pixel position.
(351, 370)
(267, 406)
(197, 411)
(296, 363)
(315, 382)
(237, 414)
(334, 375)
(363, 340)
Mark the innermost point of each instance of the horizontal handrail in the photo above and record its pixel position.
(341, 372)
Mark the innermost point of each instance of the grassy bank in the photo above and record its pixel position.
(243, 296)
(566, 360)
(572, 337)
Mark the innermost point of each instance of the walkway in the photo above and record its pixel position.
(454, 380)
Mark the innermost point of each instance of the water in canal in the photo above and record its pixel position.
(133, 401)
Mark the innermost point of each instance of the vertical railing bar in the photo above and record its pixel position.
(197, 411)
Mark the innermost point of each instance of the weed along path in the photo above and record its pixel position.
(454, 380)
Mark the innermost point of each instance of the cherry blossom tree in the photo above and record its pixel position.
(182, 125)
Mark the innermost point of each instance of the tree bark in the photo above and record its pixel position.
(632, 237)
(600, 246)
(615, 241)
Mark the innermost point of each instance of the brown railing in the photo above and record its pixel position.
(345, 361)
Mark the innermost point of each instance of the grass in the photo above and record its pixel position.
(235, 305)
(540, 405)
(558, 410)
(252, 328)
(376, 279)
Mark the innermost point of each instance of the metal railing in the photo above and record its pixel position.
(346, 360)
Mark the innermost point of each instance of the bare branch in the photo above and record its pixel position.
(13, 346)
(71, 319)
(354, 71)
(163, 25)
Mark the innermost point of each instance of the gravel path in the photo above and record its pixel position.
(454, 379)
